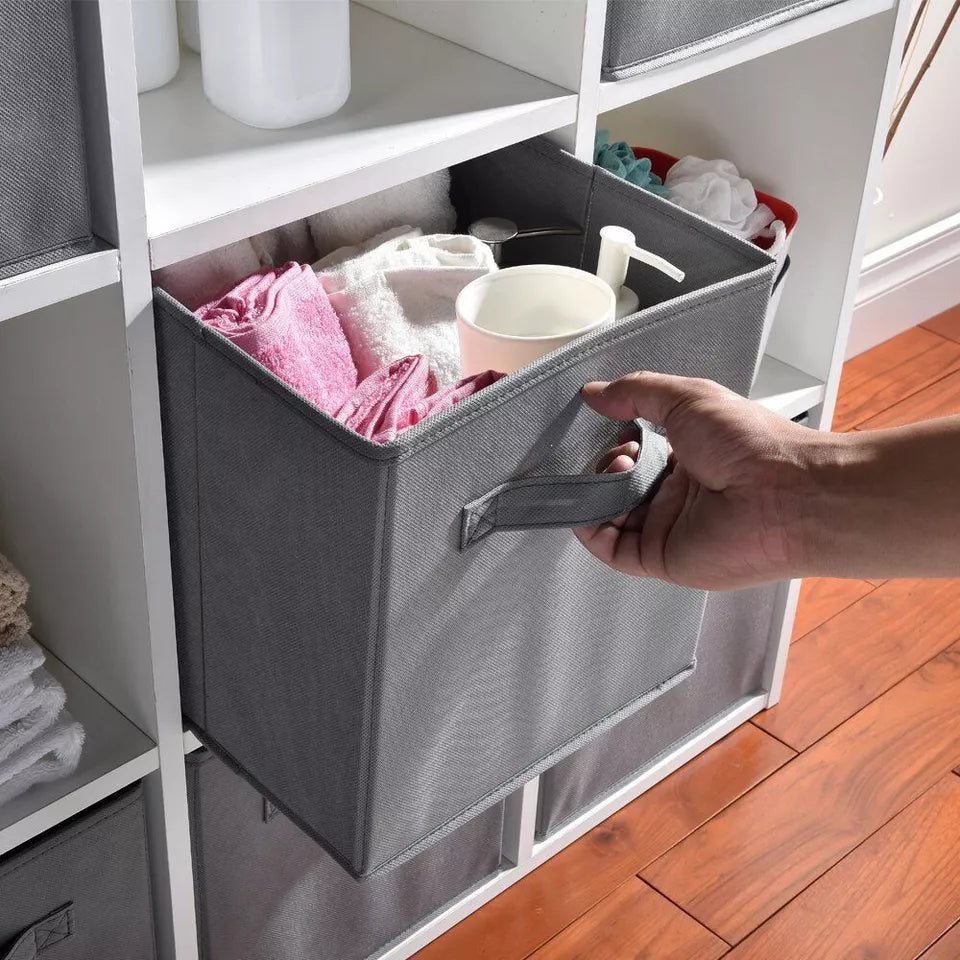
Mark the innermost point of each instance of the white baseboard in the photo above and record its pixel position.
(905, 283)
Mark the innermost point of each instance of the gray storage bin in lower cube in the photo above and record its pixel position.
(45, 209)
(82, 890)
(644, 34)
(376, 653)
(266, 891)
(737, 627)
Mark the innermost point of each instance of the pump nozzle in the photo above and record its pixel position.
(617, 246)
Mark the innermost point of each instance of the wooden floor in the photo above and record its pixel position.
(829, 826)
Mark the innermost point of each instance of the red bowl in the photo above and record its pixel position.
(661, 162)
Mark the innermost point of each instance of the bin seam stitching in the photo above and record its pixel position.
(331, 427)
(196, 846)
(372, 720)
(196, 460)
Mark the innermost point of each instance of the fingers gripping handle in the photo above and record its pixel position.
(566, 501)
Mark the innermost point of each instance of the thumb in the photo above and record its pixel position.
(652, 396)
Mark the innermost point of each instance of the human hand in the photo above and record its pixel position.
(728, 512)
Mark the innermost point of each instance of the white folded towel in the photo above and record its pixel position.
(39, 699)
(17, 661)
(341, 255)
(51, 756)
(398, 298)
(424, 202)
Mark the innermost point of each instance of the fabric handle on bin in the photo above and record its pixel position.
(567, 501)
(46, 932)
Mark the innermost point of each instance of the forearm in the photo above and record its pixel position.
(882, 503)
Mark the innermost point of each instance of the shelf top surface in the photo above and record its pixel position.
(619, 93)
(418, 103)
(58, 281)
(115, 753)
(785, 389)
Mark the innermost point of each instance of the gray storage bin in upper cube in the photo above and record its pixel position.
(45, 209)
(644, 34)
(337, 644)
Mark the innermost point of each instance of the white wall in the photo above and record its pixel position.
(921, 173)
(912, 269)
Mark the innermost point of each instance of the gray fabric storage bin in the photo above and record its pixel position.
(730, 663)
(644, 34)
(45, 213)
(266, 891)
(338, 644)
(82, 890)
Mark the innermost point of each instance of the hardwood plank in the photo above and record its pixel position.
(739, 868)
(886, 356)
(846, 662)
(822, 598)
(866, 395)
(891, 898)
(634, 921)
(947, 947)
(532, 911)
(946, 324)
(940, 399)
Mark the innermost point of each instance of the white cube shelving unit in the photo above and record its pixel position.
(800, 107)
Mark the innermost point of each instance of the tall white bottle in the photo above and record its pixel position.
(276, 63)
(156, 46)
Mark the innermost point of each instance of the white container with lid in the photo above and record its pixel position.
(276, 63)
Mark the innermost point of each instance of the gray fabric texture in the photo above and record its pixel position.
(380, 685)
(730, 661)
(82, 890)
(642, 35)
(43, 935)
(266, 891)
(45, 213)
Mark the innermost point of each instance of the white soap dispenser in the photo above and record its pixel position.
(617, 246)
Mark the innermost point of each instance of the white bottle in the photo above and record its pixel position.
(155, 43)
(276, 63)
(189, 16)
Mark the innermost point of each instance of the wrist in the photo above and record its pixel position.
(822, 475)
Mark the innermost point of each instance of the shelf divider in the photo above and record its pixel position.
(785, 389)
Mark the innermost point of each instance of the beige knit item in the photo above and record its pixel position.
(13, 591)
(15, 627)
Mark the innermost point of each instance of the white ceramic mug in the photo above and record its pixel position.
(510, 318)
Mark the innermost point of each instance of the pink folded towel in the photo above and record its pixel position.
(284, 320)
(400, 395)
